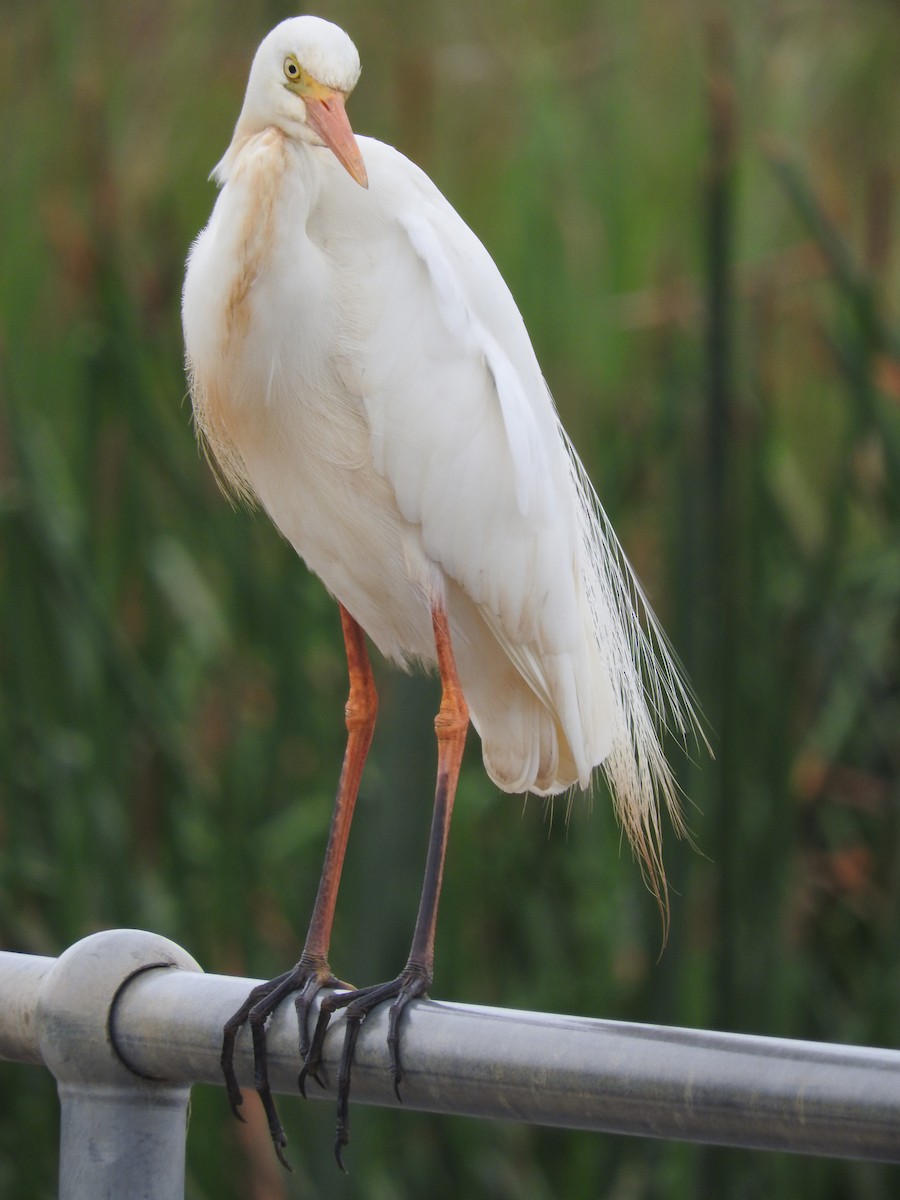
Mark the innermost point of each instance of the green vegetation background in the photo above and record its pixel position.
(697, 209)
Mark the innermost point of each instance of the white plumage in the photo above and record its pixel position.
(359, 367)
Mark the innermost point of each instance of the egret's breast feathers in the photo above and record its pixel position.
(259, 172)
(229, 258)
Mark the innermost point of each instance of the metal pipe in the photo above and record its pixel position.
(579, 1073)
(21, 978)
(655, 1081)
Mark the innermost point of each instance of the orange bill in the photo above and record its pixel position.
(328, 117)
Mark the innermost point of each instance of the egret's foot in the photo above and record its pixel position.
(305, 980)
(411, 984)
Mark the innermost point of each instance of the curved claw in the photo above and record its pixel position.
(276, 1130)
(229, 1035)
(232, 1087)
(313, 1060)
(302, 1078)
(411, 984)
(255, 1012)
(393, 1038)
(351, 1033)
(305, 998)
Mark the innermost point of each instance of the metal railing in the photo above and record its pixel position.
(127, 1022)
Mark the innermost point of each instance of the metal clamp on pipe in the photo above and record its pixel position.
(122, 1131)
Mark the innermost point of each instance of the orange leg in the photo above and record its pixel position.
(451, 725)
(360, 713)
(312, 971)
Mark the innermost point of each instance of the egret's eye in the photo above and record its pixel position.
(291, 68)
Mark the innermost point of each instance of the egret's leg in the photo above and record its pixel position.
(312, 971)
(360, 713)
(451, 725)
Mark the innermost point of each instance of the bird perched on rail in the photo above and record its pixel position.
(359, 369)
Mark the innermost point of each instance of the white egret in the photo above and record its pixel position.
(359, 368)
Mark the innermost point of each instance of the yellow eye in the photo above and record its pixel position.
(301, 83)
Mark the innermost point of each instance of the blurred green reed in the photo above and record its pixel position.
(696, 207)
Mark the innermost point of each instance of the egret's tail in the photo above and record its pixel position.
(548, 721)
(650, 692)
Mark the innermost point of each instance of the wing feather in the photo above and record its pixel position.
(457, 429)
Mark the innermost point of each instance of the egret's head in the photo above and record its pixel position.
(301, 76)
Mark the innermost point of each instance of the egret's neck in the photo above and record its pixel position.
(254, 170)
(248, 129)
